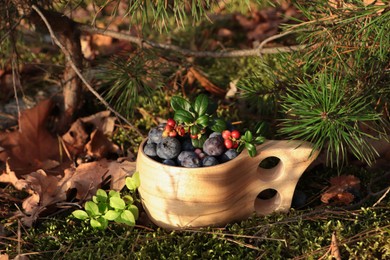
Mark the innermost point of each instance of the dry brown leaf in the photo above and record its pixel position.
(86, 178)
(118, 171)
(339, 191)
(88, 135)
(99, 146)
(9, 176)
(32, 145)
(208, 85)
(102, 121)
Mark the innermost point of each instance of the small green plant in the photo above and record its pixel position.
(197, 119)
(111, 206)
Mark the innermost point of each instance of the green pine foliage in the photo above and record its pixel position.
(341, 80)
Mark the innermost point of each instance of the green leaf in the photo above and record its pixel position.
(99, 223)
(248, 136)
(133, 182)
(194, 129)
(127, 217)
(201, 104)
(101, 195)
(117, 203)
(259, 139)
(179, 103)
(203, 121)
(183, 116)
(128, 199)
(80, 214)
(112, 215)
(219, 125)
(92, 208)
(102, 207)
(198, 143)
(114, 193)
(251, 149)
(134, 210)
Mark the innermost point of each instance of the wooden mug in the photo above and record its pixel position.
(179, 197)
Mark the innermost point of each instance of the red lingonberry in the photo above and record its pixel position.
(228, 143)
(236, 134)
(235, 145)
(180, 130)
(226, 134)
(171, 122)
(168, 128)
(194, 136)
(172, 133)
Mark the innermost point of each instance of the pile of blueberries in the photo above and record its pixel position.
(177, 150)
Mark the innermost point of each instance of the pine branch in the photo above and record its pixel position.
(199, 54)
(77, 71)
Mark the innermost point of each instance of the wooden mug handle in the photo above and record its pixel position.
(279, 181)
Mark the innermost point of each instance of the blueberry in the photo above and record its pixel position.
(155, 134)
(186, 145)
(169, 162)
(228, 155)
(168, 148)
(150, 150)
(216, 134)
(214, 146)
(188, 159)
(209, 161)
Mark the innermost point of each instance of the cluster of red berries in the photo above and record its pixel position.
(172, 130)
(231, 138)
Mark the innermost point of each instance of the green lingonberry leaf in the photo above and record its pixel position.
(198, 143)
(183, 116)
(259, 139)
(218, 125)
(128, 199)
(251, 149)
(80, 214)
(179, 103)
(248, 136)
(203, 121)
(194, 129)
(117, 203)
(92, 208)
(201, 104)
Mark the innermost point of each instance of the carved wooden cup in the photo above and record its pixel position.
(178, 197)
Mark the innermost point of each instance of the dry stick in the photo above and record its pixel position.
(74, 67)
(209, 54)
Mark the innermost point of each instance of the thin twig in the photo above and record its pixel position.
(381, 198)
(74, 67)
(190, 53)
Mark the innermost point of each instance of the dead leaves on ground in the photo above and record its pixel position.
(342, 190)
(43, 165)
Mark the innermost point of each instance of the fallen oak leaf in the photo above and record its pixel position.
(118, 171)
(32, 144)
(86, 178)
(99, 146)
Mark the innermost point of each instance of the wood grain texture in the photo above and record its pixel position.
(178, 197)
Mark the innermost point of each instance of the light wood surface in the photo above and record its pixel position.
(178, 197)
